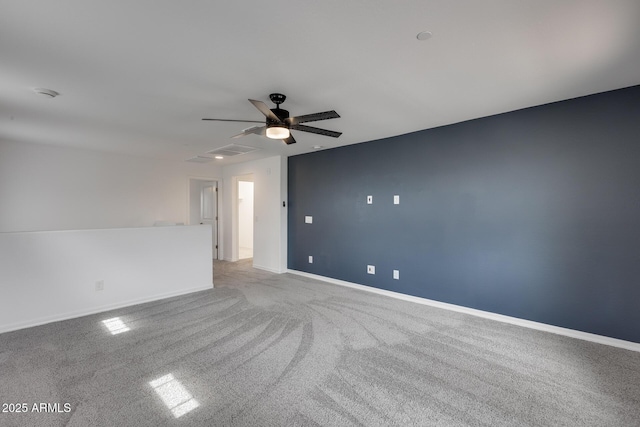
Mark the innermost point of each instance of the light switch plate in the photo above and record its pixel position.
(310, 259)
(396, 199)
(396, 274)
(308, 219)
(371, 269)
(369, 200)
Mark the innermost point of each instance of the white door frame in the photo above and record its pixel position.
(218, 221)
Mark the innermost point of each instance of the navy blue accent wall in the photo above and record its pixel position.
(533, 214)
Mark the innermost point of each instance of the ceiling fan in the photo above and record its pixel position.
(278, 123)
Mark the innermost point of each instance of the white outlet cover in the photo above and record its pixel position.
(369, 200)
(310, 259)
(308, 219)
(396, 274)
(371, 269)
(396, 199)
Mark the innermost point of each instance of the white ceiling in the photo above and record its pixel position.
(136, 77)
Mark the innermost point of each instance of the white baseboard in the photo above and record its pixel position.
(269, 269)
(600, 339)
(75, 314)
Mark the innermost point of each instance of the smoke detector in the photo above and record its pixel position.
(424, 35)
(48, 92)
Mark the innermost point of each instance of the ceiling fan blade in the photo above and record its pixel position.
(312, 117)
(229, 120)
(265, 110)
(257, 130)
(290, 140)
(319, 131)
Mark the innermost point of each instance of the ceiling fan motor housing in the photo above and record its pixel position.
(281, 114)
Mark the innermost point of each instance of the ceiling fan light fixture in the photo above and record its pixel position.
(278, 122)
(277, 132)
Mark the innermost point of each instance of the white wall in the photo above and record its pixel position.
(51, 275)
(269, 228)
(194, 201)
(57, 188)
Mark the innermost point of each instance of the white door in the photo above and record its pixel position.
(209, 210)
(245, 219)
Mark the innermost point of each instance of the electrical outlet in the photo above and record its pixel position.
(100, 285)
(308, 219)
(371, 269)
(396, 274)
(369, 200)
(310, 259)
(396, 199)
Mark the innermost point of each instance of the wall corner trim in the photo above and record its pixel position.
(586, 336)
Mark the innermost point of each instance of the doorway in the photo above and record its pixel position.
(203, 207)
(245, 216)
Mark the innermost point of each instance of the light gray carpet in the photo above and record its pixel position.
(270, 350)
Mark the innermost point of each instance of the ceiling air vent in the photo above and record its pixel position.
(232, 150)
(200, 159)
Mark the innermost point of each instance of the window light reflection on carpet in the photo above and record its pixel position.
(116, 326)
(174, 395)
